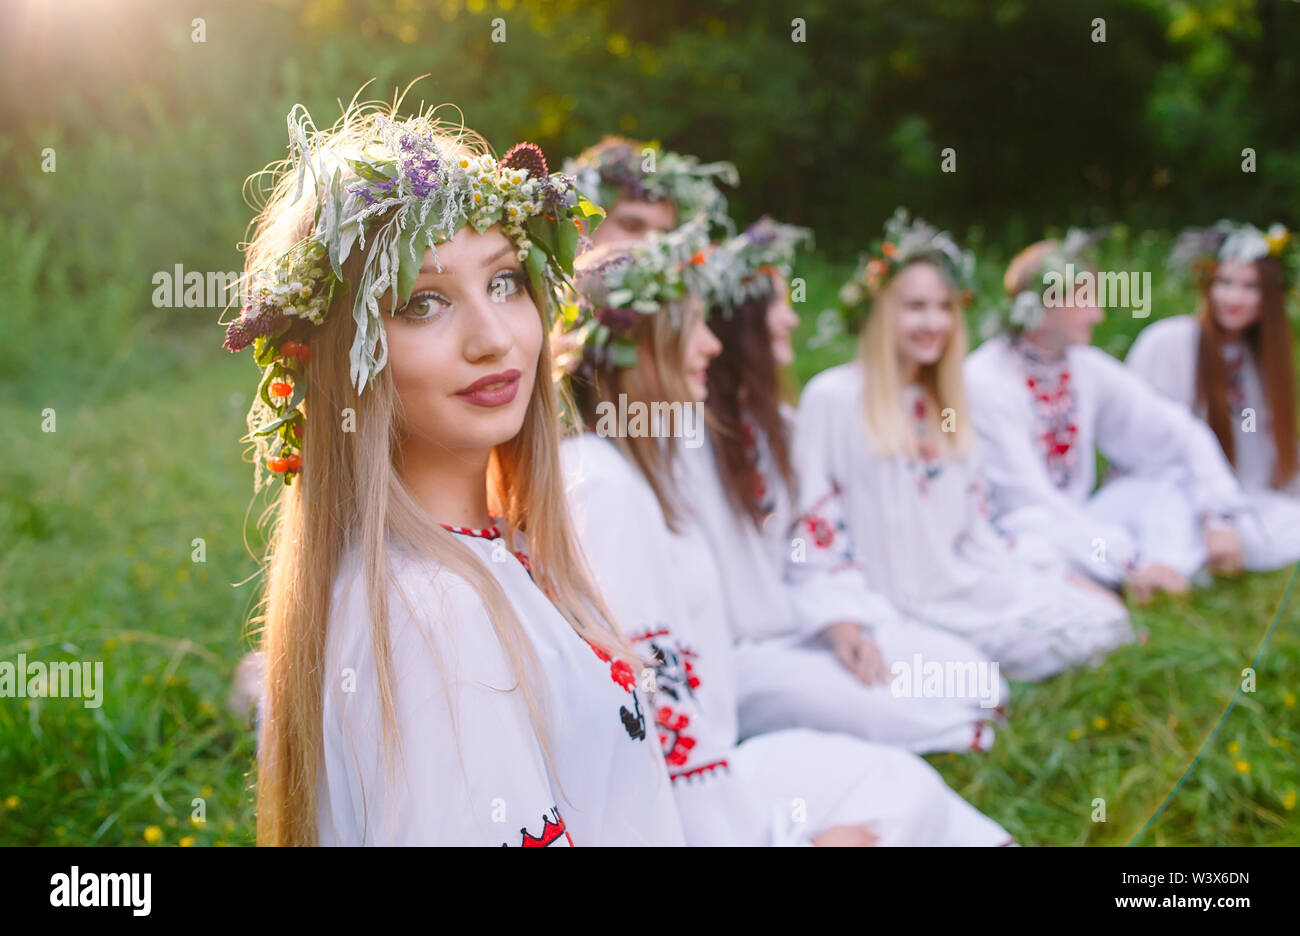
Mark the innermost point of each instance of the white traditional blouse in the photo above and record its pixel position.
(1164, 355)
(470, 768)
(916, 530)
(786, 678)
(775, 789)
(1041, 424)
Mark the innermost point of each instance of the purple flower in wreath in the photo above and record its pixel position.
(617, 321)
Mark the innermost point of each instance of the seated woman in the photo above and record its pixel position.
(806, 657)
(1045, 403)
(440, 669)
(890, 495)
(1231, 364)
(641, 348)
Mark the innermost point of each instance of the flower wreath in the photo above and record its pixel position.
(906, 241)
(1027, 310)
(735, 271)
(640, 279)
(649, 173)
(402, 193)
(1198, 250)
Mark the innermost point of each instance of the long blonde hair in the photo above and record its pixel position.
(350, 496)
(663, 337)
(882, 402)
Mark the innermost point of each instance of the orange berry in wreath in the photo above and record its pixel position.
(280, 388)
(289, 349)
(293, 462)
(303, 353)
(277, 465)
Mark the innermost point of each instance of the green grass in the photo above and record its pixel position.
(98, 520)
(99, 517)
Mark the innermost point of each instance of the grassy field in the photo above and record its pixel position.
(99, 519)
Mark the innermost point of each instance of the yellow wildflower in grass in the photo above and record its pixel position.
(187, 841)
(153, 835)
(11, 802)
(1289, 700)
(1101, 723)
(1242, 766)
(1074, 734)
(1288, 801)
(1233, 747)
(197, 822)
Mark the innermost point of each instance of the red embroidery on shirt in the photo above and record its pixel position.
(928, 462)
(551, 833)
(485, 533)
(700, 771)
(1055, 425)
(822, 532)
(674, 740)
(619, 671)
(1234, 357)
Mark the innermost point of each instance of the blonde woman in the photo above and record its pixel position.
(642, 348)
(439, 668)
(891, 497)
(807, 657)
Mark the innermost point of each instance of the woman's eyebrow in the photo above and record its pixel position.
(508, 248)
(488, 261)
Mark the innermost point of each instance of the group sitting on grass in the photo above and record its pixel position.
(490, 620)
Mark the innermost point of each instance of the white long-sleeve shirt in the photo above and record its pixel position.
(1040, 426)
(471, 769)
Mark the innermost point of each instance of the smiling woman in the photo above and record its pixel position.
(404, 700)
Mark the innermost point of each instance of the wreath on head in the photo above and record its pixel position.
(1199, 250)
(736, 270)
(634, 280)
(647, 172)
(390, 190)
(906, 241)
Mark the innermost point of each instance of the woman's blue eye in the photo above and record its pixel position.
(423, 306)
(505, 285)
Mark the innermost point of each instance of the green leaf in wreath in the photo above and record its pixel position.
(567, 244)
(535, 264)
(542, 232)
(624, 354)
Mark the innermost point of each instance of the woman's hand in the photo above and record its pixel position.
(859, 653)
(1151, 578)
(1224, 548)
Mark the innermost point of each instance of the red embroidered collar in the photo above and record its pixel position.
(491, 532)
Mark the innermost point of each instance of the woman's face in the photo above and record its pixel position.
(1071, 324)
(630, 220)
(925, 314)
(1235, 294)
(464, 350)
(700, 346)
(781, 321)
